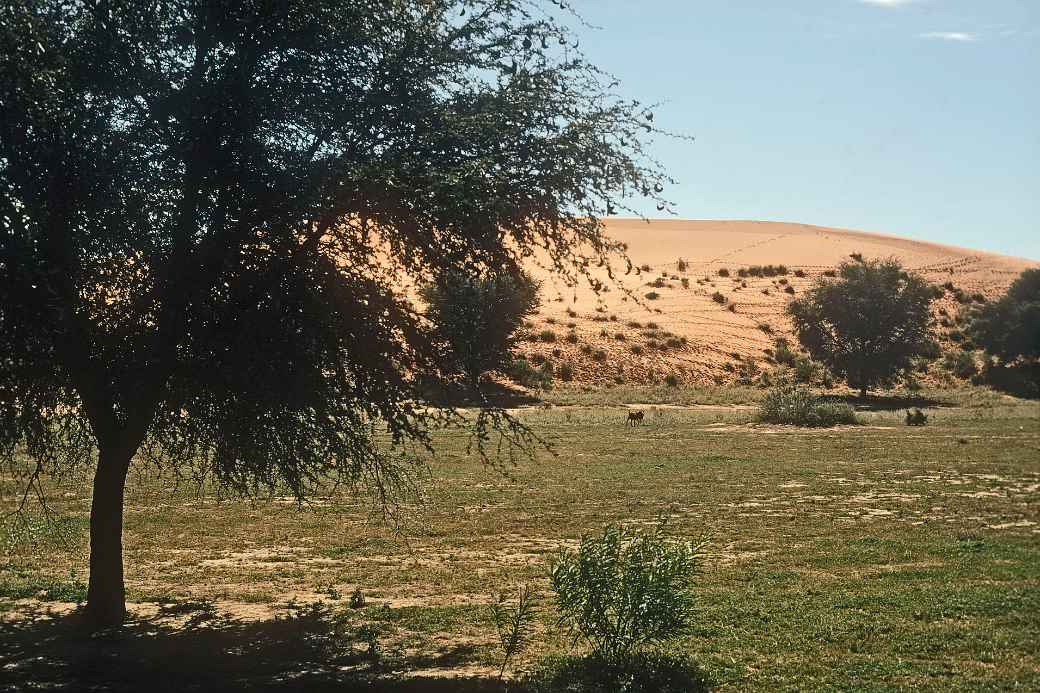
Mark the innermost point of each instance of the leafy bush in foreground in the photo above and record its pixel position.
(625, 589)
(798, 406)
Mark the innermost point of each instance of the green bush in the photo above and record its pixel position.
(718, 297)
(961, 364)
(642, 673)
(626, 589)
(566, 372)
(783, 354)
(798, 406)
(671, 380)
(652, 296)
(723, 272)
(805, 370)
(547, 336)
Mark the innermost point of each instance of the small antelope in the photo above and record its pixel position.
(634, 417)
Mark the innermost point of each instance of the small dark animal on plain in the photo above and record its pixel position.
(917, 418)
(634, 417)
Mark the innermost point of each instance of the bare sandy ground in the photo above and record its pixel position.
(718, 334)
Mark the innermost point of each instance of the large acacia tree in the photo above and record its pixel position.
(869, 323)
(210, 209)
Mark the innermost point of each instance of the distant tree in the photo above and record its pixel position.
(210, 213)
(1010, 328)
(478, 317)
(868, 324)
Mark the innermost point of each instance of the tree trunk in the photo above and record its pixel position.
(863, 392)
(106, 597)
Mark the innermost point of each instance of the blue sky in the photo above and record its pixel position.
(914, 117)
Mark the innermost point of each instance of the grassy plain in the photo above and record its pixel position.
(871, 557)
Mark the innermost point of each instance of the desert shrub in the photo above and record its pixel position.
(747, 370)
(671, 380)
(652, 296)
(718, 297)
(783, 353)
(830, 273)
(799, 273)
(599, 318)
(557, 353)
(637, 349)
(620, 336)
(782, 281)
(978, 298)
(634, 324)
(566, 372)
(599, 355)
(796, 405)
(571, 313)
(645, 672)
(522, 372)
(765, 327)
(675, 342)
(742, 272)
(571, 338)
(723, 272)
(681, 265)
(652, 325)
(732, 307)
(858, 257)
(766, 292)
(513, 624)
(571, 325)
(805, 370)
(551, 321)
(789, 289)
(613, 318)
(547, 336)
(586, 348)
(658, 283)
(685, 282)
(961, 364)
(626, 589)
(644, 268)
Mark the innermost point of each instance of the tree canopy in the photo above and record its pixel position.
(209, 211)
(868, 323)
(478, 318)
(1010, 327)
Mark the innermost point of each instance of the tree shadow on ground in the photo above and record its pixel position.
(202, 651)
(491, 394)
(1020, 380)
(886, 402)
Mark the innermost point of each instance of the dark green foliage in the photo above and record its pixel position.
(652, 296)
(210, 212)
(869, 324)
(805, 370)
(566, 372)
(521, 372)
(723, 272)
(671, 380)
(547, 336)
(830, 273)
(798, 406)
(625, 589)
(782, 352)
(637, 349)
(961, 364)
(477, 318)
(1009, 328)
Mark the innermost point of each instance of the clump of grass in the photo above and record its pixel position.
(657, 283)
(637, 349)
(685, 282)
(798, 406)
(547, 336)
(644, 268)
(620, 336)
(858, 257)
(830, 273)
(652, 325)
(681, 265)
(652, 296)
(765, 327)
(732, 307)
(671, 380)
(634, 324)
(789, 289)
(571, 313)
(723, 272)
(718, 297)
(799, 273)
(571, 338)
(599, 356)
(514, 624)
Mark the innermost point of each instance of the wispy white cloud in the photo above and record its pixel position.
(887, 3)
(962, 36)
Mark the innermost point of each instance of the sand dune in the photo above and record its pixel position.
(611, 346)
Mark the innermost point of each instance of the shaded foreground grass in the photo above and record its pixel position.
(878, 557)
